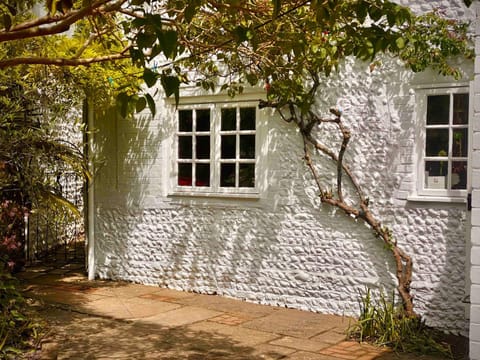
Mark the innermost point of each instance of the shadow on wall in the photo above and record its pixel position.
(285, 248)
(128, 175)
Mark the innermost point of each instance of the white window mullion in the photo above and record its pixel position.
(215, 149)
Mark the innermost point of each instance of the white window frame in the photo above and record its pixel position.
(449, 195)
(215, 190)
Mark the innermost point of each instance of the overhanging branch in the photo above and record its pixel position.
(61, 61)
(42, 26)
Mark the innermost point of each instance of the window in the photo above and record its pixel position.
(216, 149)
(444, 156)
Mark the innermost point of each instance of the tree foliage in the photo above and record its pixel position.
(287, 46)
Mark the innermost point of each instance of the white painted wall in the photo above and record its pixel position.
(284, 248)
(475, 213)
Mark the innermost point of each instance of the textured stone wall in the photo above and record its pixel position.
(284, 248)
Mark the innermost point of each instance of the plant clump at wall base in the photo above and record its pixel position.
(384, 323)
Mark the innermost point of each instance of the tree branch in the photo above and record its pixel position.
(60, 61)
(61, 23)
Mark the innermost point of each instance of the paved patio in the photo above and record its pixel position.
(118, 320)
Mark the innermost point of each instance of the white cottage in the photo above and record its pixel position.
(215, 197)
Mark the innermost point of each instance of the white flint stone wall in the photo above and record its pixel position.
(284, 248)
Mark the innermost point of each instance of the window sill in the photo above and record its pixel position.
(215, 195)
(437, 199)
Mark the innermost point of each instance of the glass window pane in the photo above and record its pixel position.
(437, 142)
(229, 119)
(438, 109)
(436, 174)
(185, 174)
(203, 120)
(202, 175)
(246, 175)
(460, 109)
(185, 120)
(228, 147)
(459, 175)
(247, 146)
(203, 147)
(247, 119)
(184, 147)
(227, 175)
(460, 142)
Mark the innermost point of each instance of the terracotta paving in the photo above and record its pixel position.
(119, 320)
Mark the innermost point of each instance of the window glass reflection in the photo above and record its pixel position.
(185, 120)
(247, 119)
(227, 175)
(185, 174)
(229, 119)
(437, 142)
(438, 109)
(228, 146)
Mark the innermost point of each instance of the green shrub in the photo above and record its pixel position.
(18, 331)
(384, 323)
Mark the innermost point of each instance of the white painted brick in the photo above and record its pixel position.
(475, 235)
(476, 82)
(402, 195)
(474, 332)
(475, 258)
(475, 213)
(474, 351)
(476, 198)
(476, 120)
(476, 140)
(476, 179)
(476, 97)
(475, 275)
(476, 159)
(475, 314)
(475, 294)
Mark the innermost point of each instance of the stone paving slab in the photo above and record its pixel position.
(119, 320)
(297, 323)
(128, 308)
(305, 355)
(238, 335)
(182, 316)
(300, 344)
(228, 305)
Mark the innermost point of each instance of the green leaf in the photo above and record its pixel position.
(137, 56)
(145, 40)
(400, 42)
(361, 11)
(151, 104)
(375, 13)
(168, 43)
(149, 77)
(122, 101)
(7, 21)
(277, 5)
(240, 33)
(190, 11)
(140, 105)
(252, 78)
(171, 85)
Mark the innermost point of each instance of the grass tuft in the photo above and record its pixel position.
(384, 323)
